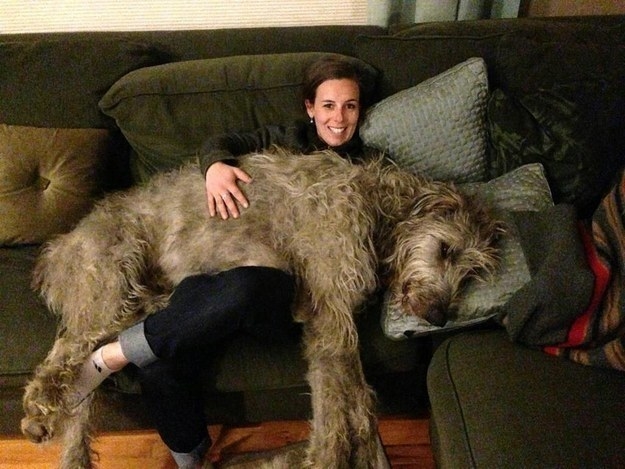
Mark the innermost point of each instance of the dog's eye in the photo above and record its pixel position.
(445, 250)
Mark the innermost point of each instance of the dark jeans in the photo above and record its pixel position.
(203, 311)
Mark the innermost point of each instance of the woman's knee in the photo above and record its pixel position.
(263, 288)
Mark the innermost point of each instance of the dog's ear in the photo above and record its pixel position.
(488, 223)
(438, 199)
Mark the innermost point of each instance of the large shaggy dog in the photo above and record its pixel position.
(338, 227)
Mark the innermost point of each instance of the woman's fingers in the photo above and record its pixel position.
(222, 190)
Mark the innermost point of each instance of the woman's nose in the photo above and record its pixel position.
(339, 115)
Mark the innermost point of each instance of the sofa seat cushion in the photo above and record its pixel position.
(26, 327)
(246, 380)
(496, 404)
(245, 363)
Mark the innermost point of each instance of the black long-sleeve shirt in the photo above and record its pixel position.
(301, 137)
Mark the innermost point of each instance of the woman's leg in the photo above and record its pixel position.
(173, 394)
(205, 309)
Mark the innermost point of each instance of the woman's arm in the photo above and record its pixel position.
(218, 161)
(228, 147)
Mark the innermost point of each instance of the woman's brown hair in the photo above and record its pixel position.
(337, 67)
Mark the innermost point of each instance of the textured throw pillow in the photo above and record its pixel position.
(48, 179)
(437, 127)
(524, 189)
(167, 111)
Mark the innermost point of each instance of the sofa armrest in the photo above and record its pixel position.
(496, 404)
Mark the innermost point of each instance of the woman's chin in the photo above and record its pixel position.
(335, 140)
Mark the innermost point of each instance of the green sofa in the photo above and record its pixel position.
(50, 176)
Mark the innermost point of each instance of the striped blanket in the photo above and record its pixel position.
(579, 310)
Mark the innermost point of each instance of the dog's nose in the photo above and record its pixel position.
(436, 317)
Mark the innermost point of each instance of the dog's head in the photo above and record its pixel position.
(446, 239)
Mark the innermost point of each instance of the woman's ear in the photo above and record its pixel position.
(309, 108)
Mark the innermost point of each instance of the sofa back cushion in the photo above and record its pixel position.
(167, 111)
(407, 61)
(58, 82)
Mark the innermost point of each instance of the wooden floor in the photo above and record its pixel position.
(406, 441)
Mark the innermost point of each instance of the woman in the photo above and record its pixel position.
(334, 93)
(171, 346)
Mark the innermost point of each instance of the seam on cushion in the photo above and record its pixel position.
(427, 37)
(244, 88)
(457, 398)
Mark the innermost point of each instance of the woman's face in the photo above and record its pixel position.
(336, 110)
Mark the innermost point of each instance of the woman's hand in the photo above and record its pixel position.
(222, 190)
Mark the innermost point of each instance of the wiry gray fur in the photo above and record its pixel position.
(338, 227)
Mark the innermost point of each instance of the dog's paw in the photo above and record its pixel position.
(40, 413)
(36, 430)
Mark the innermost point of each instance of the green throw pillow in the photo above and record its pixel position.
(49, 179)
(167, 111)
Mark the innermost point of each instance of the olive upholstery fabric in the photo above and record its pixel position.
(495, 404)
(57, 80)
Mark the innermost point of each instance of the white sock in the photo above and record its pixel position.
(93, 372)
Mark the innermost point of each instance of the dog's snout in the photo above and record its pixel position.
(437, 317)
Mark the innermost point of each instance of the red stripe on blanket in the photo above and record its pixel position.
(579, 328)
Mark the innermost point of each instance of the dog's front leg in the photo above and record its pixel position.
(344, 424)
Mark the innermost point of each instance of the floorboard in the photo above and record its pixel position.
(406, 441)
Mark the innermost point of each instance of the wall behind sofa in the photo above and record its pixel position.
(571, 7)
(26, 16)
(34, 16)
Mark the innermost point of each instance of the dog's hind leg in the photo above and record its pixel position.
(51, 408)
(99, 285)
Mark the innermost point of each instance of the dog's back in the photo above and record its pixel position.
(144, 241)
